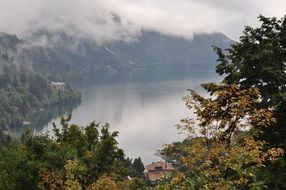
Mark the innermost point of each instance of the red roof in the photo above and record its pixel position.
(157, 170)
(160, 165)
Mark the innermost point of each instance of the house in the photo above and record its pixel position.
(25, 123)
(58, 85)
(157, 170)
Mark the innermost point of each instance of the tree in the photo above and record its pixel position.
(138, 167)
(75, 158)
(259, 59)
(17, 170)
(225, 152)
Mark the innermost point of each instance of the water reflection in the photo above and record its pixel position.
(144, 114)
(37, 120)
(42, 118)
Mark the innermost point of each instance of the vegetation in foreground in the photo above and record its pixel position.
(236, 139)
(76, 158)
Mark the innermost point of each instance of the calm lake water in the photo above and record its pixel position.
(145, 114)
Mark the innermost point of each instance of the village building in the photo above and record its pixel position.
(58, 85)
(25, 123)
(157, 170)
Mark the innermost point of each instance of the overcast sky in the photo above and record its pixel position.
(106, 20)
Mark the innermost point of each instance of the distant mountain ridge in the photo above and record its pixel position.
(152, 54)
(160, 52)
(73, 60)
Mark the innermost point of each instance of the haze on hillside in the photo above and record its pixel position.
(110, 20)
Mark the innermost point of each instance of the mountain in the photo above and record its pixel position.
(28, 70)
(22, 90)
(151, 55)
(168, 55)
(153, 49)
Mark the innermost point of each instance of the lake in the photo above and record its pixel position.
(145, 114)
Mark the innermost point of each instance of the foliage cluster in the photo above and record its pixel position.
(236, 138)
(75, 158)
(23, 92)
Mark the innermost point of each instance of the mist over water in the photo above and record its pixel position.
(145, 114)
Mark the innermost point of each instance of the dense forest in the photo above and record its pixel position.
(76, 158)
(23, 91)
(236, 140)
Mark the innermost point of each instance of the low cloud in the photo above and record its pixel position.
(108, 20)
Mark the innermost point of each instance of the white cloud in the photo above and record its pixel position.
(96, 18)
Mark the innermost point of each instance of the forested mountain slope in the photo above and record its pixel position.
(22, 90)
(28, 67)
(151, 54)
